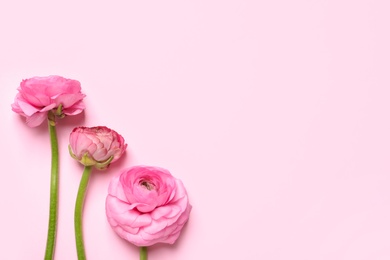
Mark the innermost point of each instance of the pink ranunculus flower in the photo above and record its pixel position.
(96, 146)
(39, 95)
(147, 205)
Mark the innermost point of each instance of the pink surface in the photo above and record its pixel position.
(274, 114)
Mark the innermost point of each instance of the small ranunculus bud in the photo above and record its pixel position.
(96, 146)
(147, 205)
(40, 95)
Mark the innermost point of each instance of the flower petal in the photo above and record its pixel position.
(68, 100)
(36, 119)
(27, 108)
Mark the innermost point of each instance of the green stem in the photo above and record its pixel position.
(51, 234)
(143, 253)
(78, 213)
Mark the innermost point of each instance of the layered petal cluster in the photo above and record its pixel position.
(147, 205)
(97, 146)
(38, 95)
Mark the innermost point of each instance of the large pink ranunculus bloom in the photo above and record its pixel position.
(147, 205)
(96, 146)
(39, 95)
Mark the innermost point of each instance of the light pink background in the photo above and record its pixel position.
(275, 114)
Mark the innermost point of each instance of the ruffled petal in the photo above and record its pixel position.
(101, 155)
(68, 100)
(27, 108)
(156, 226)
(36, 119)
(161, 212)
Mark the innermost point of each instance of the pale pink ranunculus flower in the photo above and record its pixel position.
(97, 146)
(39, 95)
(147, 205)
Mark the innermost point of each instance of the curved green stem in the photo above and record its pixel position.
(52, 230)
(143, 253)
(78, 213)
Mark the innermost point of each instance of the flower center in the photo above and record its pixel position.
(147, 185)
